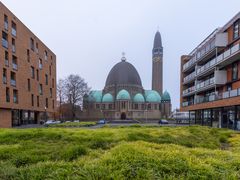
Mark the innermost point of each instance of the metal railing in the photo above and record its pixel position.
(189, 77)
(213, 97)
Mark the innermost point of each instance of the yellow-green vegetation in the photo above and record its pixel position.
(120, 153)
(74, 124)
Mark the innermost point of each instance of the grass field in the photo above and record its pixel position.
(120, 153)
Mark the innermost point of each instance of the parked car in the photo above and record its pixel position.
(76, 121)
(102, 121)
(48, 122)
(163, 121)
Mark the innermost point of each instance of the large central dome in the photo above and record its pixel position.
(123, 73)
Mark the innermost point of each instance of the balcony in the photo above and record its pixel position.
(190, 77)
(4, 43)
(207, 67)
(214, 97)
(13, 82)
(206, 49)
(189, 91)
(205, 84)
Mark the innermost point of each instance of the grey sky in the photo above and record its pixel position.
(89, 36)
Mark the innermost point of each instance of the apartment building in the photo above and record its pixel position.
(210, 78)
(27, 74)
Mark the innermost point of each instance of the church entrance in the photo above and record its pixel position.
(123, 116)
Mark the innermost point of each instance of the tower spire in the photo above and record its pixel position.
(157, 64)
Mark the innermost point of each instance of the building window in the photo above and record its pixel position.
(53, 83)
(51, 92)
(236, 30)
(32, 72)
(45, 55)
(135, 106)
(40, 64)
(50, 70)
(46, 102)
(32, 99)
(37, 75)
(5, 22)
(15, 96)
(40, 89)
(155, 106)
(4, 76)
(37, 48)
(14, 63)
(37, 101)
(14, 29)
(13, 45)
(7, 94)
(46, 79)
(29, 84)
(6, 58)
(4, 39)
(53, 104)
(28, 55)
(13, 78)
(235, 71)
(32, 44)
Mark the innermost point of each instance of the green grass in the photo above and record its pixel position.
(120, 153)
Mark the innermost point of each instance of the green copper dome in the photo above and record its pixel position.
(138, 98)
(95, 96)
(166, 96)
(152, 96)
(123, 95)
(107, 98)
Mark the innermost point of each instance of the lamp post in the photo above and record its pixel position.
(45, 113)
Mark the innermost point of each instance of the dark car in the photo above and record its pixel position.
(163, 121)
(102, 121)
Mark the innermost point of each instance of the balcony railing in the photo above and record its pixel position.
(189, 90)
(214, 97)
(189, 77)
(205, 83)
(189, 63)
(4, 43)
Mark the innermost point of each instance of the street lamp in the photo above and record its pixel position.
(45, 113)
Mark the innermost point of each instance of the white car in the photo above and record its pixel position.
(48, 122)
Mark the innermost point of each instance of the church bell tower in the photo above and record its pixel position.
(157, 64)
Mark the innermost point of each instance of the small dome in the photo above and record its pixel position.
(152, 96)
(166, 96)
(138, 98)
(123, 95)
(95, 96)
(107, 98)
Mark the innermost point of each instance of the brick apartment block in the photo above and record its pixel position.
(27, 74)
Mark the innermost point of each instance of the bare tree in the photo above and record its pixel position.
(60, 95)
(75, 88)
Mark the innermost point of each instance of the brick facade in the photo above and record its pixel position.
(30, 53)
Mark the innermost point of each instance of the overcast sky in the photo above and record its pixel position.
(88, 36)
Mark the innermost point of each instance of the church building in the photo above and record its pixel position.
(124, 97)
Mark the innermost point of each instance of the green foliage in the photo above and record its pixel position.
(120, 153)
